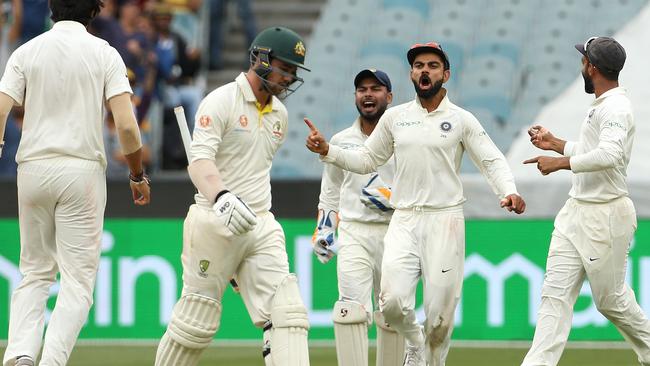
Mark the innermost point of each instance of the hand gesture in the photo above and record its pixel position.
(316, 141)
(513, 202)
(548, 164)
(541, 137)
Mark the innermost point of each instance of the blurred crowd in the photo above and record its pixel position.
(167, 49)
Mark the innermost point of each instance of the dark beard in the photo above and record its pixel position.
(373, 117)
(428, 94)
(589, 83)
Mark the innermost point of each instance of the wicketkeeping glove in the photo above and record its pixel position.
(376, 194)
(234, 213)
(324, 239)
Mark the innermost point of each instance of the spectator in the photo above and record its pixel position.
(217, 20)
(37, 20)
(178, 66)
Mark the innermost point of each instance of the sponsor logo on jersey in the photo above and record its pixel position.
(446, 126)
(591, 112)
(408, 123)
(344, 312)
(299, 49)
(205, 121)
(243, 120)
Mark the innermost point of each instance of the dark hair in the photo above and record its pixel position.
(82, 11)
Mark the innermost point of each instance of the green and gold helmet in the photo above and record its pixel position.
(281, 43)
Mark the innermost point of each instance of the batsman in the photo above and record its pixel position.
(230, 230)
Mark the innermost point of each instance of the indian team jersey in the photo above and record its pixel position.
(63, 78)
(428, 148)
(602, 154)
(241, 138)
(341, 189)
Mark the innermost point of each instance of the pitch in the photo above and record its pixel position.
(225, 355)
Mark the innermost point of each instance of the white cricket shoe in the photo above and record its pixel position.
(414, 356)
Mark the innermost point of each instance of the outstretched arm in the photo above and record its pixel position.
(375, 152)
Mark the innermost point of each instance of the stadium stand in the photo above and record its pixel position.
(508, 58)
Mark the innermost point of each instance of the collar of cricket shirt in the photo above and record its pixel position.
(249, 96)
(69, 25)
(443, 106)
(613, 91)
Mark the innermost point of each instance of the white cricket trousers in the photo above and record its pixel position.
(361, 247)
(592, 240)
(431, 245)
(212, 255)
(61, 205)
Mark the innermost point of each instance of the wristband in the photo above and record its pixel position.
(220, 194)
(139, 178)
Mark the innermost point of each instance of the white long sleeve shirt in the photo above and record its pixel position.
(428, 148)
(241, 138)
(62, 78)
(600, 157)
(341, 189)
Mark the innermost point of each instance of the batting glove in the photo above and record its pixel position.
(324, 239)
(234, 213)
(376, 195)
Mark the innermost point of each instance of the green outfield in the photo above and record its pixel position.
(224, 355)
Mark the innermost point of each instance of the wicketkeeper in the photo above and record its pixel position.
(361, 202)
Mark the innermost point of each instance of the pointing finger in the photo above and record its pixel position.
(310, 124)
(531, 160)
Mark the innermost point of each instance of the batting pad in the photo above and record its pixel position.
(351, 333)
(288, 338)
(390, 344)
(194, 321)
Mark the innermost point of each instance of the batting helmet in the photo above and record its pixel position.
(281, 43)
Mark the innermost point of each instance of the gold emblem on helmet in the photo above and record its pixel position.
(299, 49)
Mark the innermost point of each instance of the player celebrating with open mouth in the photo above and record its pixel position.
(426, 235)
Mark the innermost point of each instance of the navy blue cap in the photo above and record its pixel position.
(605, 53)
(381, 76)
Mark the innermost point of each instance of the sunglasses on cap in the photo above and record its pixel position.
(428, 44)
(584, 48)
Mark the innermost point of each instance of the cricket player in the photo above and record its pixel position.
(426, 235)
(361, 203)
(62, 78)
(230, 229)
(594, 229)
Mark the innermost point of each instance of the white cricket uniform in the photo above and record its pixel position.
(361, 229)
(426, 235)
(62, 78)
(592, 235)
(231, 130)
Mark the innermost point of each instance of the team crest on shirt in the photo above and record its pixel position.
(243, 120)
(277, 130)
(591, 113)
(205, 121)
(446, 126)
(203, 266)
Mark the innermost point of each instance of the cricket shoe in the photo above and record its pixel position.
(414, 356)
(24, 361)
